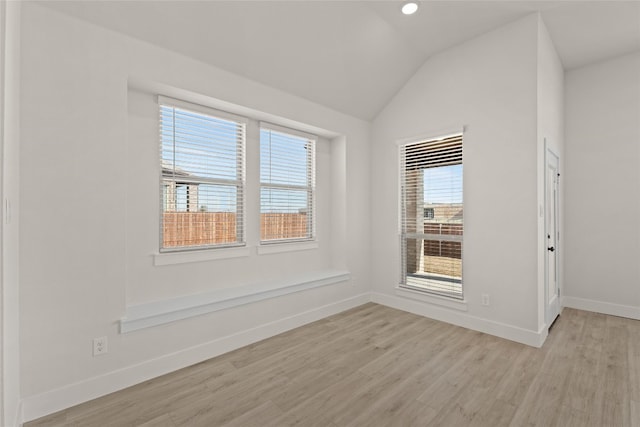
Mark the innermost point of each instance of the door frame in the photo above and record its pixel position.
(551, 311)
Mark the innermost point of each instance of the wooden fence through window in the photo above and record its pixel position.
(182, 229)
(443, 257)
(439, 248)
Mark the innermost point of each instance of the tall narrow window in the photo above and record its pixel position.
(432, 216)
(287, 185)
(202, 183)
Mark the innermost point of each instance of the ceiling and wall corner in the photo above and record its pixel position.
(353, 56)
(550, 135)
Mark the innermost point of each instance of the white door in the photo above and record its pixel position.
(552, 289)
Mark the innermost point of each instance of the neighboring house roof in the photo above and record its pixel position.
(169, 170)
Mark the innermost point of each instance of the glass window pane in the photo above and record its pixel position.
(284, 159)
(196, 151)
(287, 186)
(283, 214)
(198, 215)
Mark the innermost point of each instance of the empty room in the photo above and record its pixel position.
(320, 213)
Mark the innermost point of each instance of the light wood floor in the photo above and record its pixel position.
(376, 366)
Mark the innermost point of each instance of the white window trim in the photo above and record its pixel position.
(198, 108)
(433, 134)
(402, 290)
(279, 246)
(287, 130)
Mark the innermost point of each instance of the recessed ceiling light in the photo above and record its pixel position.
(409, 8)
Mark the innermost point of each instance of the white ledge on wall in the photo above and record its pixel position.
(274, 248)
(181, 257)
(160, 312)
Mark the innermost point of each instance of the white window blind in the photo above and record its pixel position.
(432, 216)
(287, 184)
(202, 184)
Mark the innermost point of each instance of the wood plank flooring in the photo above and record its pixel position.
(376, 366)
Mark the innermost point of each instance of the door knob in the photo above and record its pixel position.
(551, 249)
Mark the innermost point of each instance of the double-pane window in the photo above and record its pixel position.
(432, 216)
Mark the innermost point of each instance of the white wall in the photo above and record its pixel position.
(602, 271)
(87, 238)
(488, 85)
(550, 128)
(10, 17)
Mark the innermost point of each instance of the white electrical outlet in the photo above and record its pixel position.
(485, 299)
(99, 346)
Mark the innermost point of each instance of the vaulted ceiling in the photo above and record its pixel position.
(352, 56)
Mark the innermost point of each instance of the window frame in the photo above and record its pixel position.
(310, 187)
(239, 183)
(404, 235)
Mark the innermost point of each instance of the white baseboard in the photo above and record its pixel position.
(18, 418)
(612, 309)
(12, 416)
(55, 400)
(458, 318)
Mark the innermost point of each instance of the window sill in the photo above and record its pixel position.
(460, 305)
(160, 312)
(169, 258)
(274, 248)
